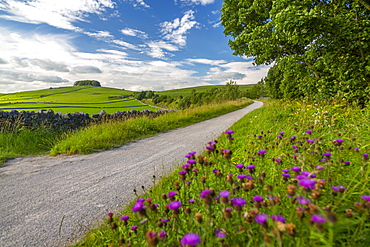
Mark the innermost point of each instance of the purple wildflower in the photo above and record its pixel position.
(286, 175)
(191, 200)
(241, 176)
(137, 206)
(261, 151)
(174, 205)
(278, 217)
(191, 239)
(309, 132)
(238, 202)
(261, 218)
(162, 234)
(224, 193)
(339, 188)
(327, 154)
(304, 201)
(278, 160)
(310, 141)
(366, 197)
(172, 194)
(317, 218)
(239, 166)
(251, 166)
(285, 170)
(191, 162)
(134, 228)
(258, 198)
(307, 183)
(182, 172)
(220, 235)
(229, 132)
(205, 193)
(125, 217)
(296, 169)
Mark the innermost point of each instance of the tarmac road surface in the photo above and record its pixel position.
(53, 201)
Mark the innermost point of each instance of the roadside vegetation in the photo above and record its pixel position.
(291, 173)
(114, 134)
(23, 142)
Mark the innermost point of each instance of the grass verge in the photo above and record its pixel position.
(114, 134)
(291, 174)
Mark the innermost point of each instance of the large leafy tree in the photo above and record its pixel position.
(323, 46)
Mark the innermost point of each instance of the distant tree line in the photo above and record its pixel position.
(92, 83)
(229, 92)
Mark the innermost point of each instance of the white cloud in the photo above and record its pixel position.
(206, 61)
(202, 2)
(125, 44)
(29, 77)
(134, 33)
(2, 61)
(156, 49)
(86, 69)
(49, 65)
(100, 35)
(138, 3)
(59, 14)
(175, 31)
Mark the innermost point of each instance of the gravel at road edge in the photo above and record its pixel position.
(53, 201)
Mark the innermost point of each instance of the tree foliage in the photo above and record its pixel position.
(92, 83)
(320, 49)
(229, 92)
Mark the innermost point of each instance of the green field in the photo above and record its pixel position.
(89, 100)
(188, 91)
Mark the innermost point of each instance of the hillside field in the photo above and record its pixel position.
(89, 100)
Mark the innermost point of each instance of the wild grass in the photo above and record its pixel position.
(189, 91)
(114, 134)
(27, 142)
(19, 143)
(288, 174)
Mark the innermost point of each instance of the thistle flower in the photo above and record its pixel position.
(172, 194)
(258, 198)
(125, 217)
(317, 218)
(205, 193)
(307, 183)
(285, 170)
(337, 142)
(191, 239)
(339, 188)
(327, 154)
(278, 218)
(191, 161)
(366, 197)
(261, 218)
(309, 132)
(175, 205)
(162, 234)
(238, 203)
(261, 153)
(229, 132)
(220, 235)
(278, 160)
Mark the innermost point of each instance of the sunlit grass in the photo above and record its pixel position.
(288, 174)
(114, 134)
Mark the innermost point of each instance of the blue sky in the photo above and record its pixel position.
(131, 44)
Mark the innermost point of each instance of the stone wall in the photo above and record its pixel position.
(13, 120)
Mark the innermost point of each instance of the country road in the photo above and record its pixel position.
(53, 201)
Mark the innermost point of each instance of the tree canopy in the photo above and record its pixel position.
(92, 83)
(318, 49)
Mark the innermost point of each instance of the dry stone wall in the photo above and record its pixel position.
(14, 120)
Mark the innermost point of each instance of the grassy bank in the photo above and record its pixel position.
(103, 136)
(114, 134)
(291, 174)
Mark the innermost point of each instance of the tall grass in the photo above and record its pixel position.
(291, 174)
(114, 134)
(27, 142)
